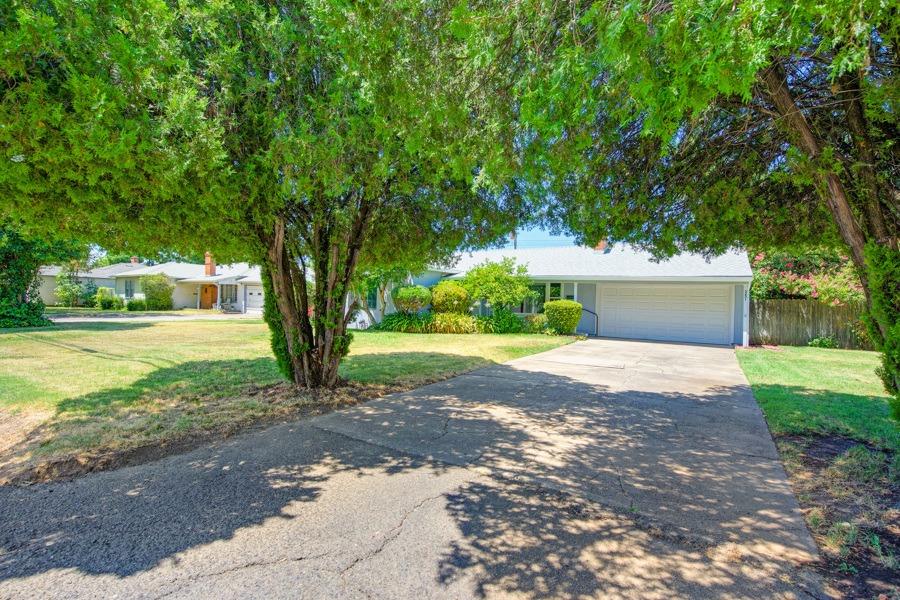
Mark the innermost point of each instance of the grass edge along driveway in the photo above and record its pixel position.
(829, 415)
(76, 395)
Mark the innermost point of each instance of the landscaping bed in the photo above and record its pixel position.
(830, 419)
(81, 397)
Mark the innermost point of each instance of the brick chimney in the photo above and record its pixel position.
(602, 245)
(134, 260)
(209, 265)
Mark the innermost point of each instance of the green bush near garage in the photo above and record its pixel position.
(563, 315)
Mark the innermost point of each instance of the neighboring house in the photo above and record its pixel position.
(236, 287)
(100, 277)
(626, 294)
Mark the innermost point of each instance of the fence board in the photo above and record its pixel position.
(795, 322)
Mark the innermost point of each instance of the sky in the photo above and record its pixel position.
(538, 238)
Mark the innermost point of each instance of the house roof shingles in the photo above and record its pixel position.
(617, 262)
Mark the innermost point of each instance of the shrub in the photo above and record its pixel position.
(67, 292)
(500, 284)
(535, 323)
(157, 292)
(136, 304)
(106, 299)
(450, 297)
(30, 314)
(563, 315)
(501, 320)
(411, 299)
(825, 341)
(406, 323)
(451, 322)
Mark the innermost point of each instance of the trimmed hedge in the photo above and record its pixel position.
(411, 299)
(450, 297)
(106, 299)
(563, 315)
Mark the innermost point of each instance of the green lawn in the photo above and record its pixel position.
(817, 391)
(829, 414)
(121, 384)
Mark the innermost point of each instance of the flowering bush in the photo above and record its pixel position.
(823, 276)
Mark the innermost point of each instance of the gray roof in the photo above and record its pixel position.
(619, 262)
(194, 273)
(107, 272)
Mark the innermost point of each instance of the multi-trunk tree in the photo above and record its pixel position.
(313, 138)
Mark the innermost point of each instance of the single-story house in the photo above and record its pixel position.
(236, 287)
(625, 293)
(100, 277)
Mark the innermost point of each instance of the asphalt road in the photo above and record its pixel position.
(602, 469)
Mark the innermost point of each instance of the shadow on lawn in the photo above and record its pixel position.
(682, 460)
(81, 326)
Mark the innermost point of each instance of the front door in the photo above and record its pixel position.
(208, 296)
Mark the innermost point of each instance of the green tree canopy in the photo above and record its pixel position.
(501, 284)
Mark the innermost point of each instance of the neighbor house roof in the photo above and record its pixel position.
(195, 273)
(107, 272)
(619, 262)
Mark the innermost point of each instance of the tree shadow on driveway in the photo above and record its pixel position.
(544, 485)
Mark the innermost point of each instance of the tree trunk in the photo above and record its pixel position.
(314, 337)
(834, 193)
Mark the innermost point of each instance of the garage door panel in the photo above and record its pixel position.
(254, 297)
(700, 313)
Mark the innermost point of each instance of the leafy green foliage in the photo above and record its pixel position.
(450, 297)
(563, 315)
(411, 299)
(884, 319)
(136, 304)
(406, 322)
(106, 299)
(536, 323)
(501, 320)
(277, 338)
(452, 322)
(157, 291)
(21, 256)
(822, 342)
(501, 284)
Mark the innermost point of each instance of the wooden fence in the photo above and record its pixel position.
(795, 322)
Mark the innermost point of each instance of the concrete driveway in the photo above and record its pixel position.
(601, 469)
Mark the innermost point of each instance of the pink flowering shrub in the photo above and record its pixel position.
(824, 276)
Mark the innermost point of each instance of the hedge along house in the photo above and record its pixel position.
(626, 294)
(233, 288)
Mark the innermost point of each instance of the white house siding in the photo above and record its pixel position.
(586, 295)
(47, 290)
(184, 295)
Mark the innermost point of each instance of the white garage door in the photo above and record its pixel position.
(673, 312)
(254, 297)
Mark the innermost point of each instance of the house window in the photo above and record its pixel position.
(536, 304)
(229, 294)
(129, 288)
(372, 298)
(554, 291)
